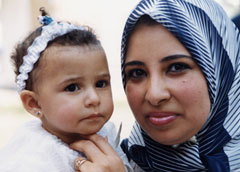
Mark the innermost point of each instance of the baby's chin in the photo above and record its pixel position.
(91, 131)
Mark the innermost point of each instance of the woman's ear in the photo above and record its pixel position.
(30, 103)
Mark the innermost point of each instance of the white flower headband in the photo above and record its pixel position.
(50, 31)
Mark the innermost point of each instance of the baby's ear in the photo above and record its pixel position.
(30, 102)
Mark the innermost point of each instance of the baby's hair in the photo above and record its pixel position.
(75, 37)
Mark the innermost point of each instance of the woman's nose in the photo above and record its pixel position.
(92, 97)
(157, 91)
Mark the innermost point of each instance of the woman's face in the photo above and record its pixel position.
(166, 89)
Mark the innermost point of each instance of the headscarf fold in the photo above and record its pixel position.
(205, 30)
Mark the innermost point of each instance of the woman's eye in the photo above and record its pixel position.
(178, 67)
(72, 88)
(101, 84)
(135, 74)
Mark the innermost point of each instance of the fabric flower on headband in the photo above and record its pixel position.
(45, 20)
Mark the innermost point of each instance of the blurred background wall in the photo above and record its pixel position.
(107, 17)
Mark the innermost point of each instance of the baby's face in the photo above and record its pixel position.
(74, 91)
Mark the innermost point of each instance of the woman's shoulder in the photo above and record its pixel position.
(135, 167)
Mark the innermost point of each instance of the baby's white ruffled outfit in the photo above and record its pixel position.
(33, 149)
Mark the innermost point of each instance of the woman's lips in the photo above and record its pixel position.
(161, 118)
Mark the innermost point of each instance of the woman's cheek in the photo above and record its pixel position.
(190, 92)
(133, 95)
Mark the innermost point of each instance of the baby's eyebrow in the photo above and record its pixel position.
(70, 79)
(173, 57)
(104, 75)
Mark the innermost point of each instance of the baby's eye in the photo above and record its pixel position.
(72, 88)
(136, 74)
(101, 83)
(178, 67)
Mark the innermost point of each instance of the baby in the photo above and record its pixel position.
(63, 80)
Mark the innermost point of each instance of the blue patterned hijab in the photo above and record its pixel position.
(212, 39)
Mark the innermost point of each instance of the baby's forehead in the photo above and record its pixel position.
(68, 60)
(57, 48)
(67, 54)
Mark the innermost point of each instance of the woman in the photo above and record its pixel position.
(180, 63)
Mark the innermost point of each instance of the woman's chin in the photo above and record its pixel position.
(169, 141)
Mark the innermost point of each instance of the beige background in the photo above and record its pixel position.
(107, 17)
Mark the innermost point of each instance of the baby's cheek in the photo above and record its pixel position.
(68, 110)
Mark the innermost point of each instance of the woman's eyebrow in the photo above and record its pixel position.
(175, 56)
(165, 59)
(134, 63)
